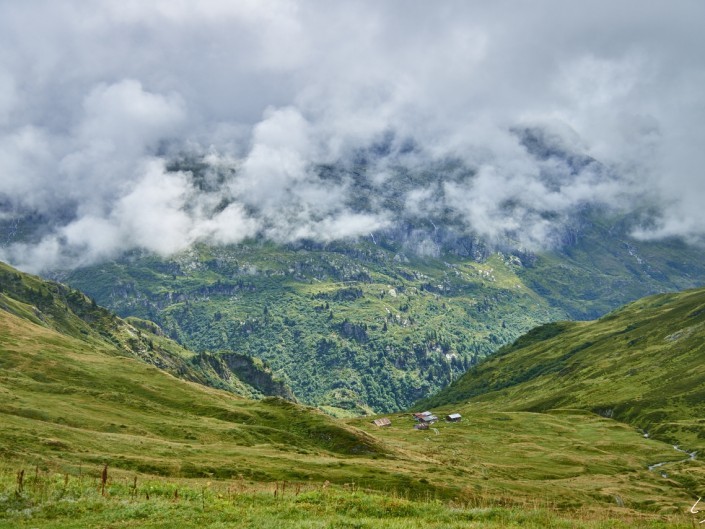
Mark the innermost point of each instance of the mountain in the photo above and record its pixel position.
(70, 313)
(373, 323)
(643, 364)
(72, 404)
(599, 266)
(350, 327)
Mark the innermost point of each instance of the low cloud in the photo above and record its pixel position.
(327, 121)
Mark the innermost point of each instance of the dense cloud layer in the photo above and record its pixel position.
(97, 98)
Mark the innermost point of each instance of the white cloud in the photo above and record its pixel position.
(8, 96)
(278, 160)
(229, 226)
(26, 158)
(91, 94)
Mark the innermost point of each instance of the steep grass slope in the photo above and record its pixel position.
(64, 399)
(643, 364)
(69, 312)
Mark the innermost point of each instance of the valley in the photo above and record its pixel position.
(370, 326)
(72, 405)
(351, 334)
(299, 264)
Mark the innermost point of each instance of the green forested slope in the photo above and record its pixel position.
(350, 327)
(362, 326)
(378, 321)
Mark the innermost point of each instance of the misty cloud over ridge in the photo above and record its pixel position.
(500, 107)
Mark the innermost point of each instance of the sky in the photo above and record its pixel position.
(98, 98)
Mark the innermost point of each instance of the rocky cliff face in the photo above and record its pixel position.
(230, 368)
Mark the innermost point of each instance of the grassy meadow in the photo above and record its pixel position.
(78, 502)
(69, 409)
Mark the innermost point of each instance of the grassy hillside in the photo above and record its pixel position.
(90, 405)
(207, 457)
(643, 365)
(67, 409)
(71, 313)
